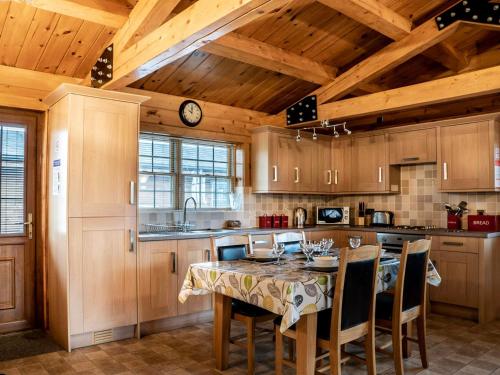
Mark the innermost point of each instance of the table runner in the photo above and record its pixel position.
(288, 289)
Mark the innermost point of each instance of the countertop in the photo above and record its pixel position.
(144, 237)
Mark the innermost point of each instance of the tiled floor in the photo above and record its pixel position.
(454, 347)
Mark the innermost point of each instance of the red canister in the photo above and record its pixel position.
(284, 221)
(454, 222)
(276, 221)
(265, 221)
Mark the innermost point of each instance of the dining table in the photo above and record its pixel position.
(292, 289)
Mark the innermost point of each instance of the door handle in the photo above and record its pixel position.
(336, 176)
(379, 174)
(329, 177)
(131, 233)
(297, 178)
(275, 173)
(132, 192)
(29, 224)
(174, 262)
(445, 171)
(207, 255)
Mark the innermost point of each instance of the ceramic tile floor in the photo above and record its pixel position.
(454, 347)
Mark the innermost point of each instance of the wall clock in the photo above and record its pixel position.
(190, 113)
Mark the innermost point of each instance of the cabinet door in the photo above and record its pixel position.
(281, 178)
(367, 238)
(342, 163)
(158, 280)
(304, 164)
(109, 278)
(465, 162)
(193, 251)
(413, 147)
(369, 164)
(324, 170)
(103, 158)
(460, 278)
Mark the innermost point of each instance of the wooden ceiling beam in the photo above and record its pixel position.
(254, 52)
(199, 24)
(462, 86)
(396, 53)
(377, 16)
(88, 10)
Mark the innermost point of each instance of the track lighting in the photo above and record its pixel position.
(347, 131)
(335, 132)
(315, 136)
(298, 138)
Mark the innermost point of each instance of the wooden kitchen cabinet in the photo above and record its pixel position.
(192, 251)
(304, 164)
(158, 277)
(367, 238)
(466, 156)
(370, 170)
(324, 165)
(341, 153)
(412, 147)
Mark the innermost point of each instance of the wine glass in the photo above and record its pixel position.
(307, 250)
(354, 242)
(327, 245)
(279, 251)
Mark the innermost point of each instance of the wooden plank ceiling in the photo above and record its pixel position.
(305, 33)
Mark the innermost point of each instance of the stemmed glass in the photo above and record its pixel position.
(326, 245)
(307, 249)
(278, 250)
(354, 242)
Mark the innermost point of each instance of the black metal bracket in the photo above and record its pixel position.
(474, 11)
(304, 110)
(102, 71)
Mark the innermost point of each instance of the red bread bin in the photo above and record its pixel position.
(484, 223)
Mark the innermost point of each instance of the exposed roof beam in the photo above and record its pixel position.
(254, 52)
(386, 21)
(111, 15)
(462, 86)
(201, 23)
(396, 53)
(146, 16)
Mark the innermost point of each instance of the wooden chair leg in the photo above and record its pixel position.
(397, 347)
(335, 358)
(291, 349)
(405, 340)
(422, 347)
(251, 346)
(370, 354)
(278, 354)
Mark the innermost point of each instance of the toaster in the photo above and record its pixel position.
(383, 218)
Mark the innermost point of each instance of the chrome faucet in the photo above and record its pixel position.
(184, 225)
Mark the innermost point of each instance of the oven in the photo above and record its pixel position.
(393, 242)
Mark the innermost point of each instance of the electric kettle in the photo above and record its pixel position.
(299, 217)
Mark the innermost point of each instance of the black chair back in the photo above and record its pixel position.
(233, 252)
(415, 277)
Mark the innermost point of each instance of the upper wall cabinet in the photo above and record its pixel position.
(412, 147)
(469, 156)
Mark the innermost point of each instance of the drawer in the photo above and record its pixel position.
(457, 244)
(262, 240)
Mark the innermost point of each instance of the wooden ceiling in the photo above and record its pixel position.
(306, 31)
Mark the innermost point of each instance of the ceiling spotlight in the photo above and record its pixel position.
(298, 138)
(335, 132)
(315, 136)
(347, 131)
(324, 123)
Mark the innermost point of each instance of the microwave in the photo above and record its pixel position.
(333, 215)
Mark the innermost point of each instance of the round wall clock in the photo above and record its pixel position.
(190, 113)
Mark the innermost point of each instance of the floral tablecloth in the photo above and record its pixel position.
(288, 289)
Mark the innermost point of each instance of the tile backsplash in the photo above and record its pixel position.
(418, 204)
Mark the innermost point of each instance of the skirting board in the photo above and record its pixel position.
(95, 338)
(168, 324)
(455, 311)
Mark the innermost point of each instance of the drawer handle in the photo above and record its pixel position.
(174, 262)
(275, 173)
(411, 159)
(131, 233)
(207, 255)
(449, 243)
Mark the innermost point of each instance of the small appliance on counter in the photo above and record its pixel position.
(233, 224)
(333, 215)
(383, 219)
(483, 223)
(299, 217)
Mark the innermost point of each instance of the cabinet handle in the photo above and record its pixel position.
(174, 262)
(450, 243)
(336, 177)
(297, 177)
(131, 233)
(275, 173)
(410, 159)
(379, 174)
(445, 171)
(329, 177)
(132, 192)
(207, 255)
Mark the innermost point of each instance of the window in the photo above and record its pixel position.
(12, 172)
(174, 169)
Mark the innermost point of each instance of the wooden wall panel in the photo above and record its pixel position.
(7, 283)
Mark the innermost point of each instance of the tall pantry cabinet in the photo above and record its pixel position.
(92, 215)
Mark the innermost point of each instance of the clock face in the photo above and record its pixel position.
(190, 113)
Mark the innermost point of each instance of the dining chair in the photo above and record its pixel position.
(398, 308)
(351, 317)
(235, 247)
(291, 240)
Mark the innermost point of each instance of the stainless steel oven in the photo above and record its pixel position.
(333, 215)
(393, 242)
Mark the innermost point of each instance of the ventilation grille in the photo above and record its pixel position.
(101, 337)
